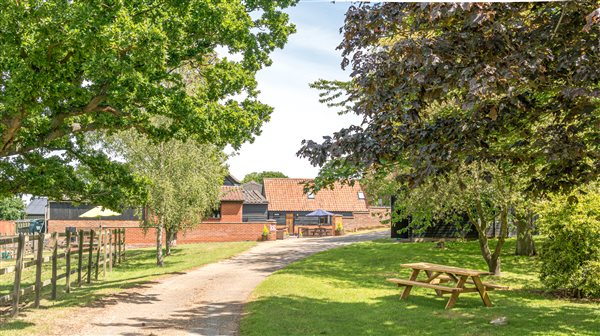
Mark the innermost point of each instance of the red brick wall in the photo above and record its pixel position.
(205, 232)
(366, 220)
(231, 212)
(7, 227)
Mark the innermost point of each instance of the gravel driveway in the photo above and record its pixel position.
(205, 301)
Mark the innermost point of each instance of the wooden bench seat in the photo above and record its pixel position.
(402, 282)
(488, 286)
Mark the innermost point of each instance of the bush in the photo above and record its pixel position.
(570, 257)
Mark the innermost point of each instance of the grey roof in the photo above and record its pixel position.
(254, 197)
(37, 206)
(253, 186)
(231, 180)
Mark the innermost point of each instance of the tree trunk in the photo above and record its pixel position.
(491, 259)
(525, 244)
(159, 236)
(170, 237)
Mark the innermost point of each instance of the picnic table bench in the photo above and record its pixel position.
(438, 274)
(320, 231)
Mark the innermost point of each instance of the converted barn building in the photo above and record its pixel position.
(289, 205)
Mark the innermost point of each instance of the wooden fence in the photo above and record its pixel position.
(93, 250)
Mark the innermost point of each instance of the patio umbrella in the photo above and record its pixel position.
(319, 213)
(99, 212)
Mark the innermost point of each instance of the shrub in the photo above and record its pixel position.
(265, 231)
(570, 257)
(339, 227)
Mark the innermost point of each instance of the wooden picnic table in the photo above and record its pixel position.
(321, 231)
(437, 274)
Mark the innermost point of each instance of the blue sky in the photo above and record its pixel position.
(309, 55)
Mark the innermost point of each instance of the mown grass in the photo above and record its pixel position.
(139, 269)
(344, 292)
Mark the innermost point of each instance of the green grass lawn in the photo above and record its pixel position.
(139, 268)
(344, 292)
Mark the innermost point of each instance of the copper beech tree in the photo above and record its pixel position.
(505, 87)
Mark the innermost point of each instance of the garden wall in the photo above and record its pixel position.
(7, 227)
(205, 232)
(367, 220)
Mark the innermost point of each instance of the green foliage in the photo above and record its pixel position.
(71, 67)
(570, 257)
(260, 176)
(12, 208)
(442, 85)
(184, 178)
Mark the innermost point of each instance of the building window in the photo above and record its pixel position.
(216, 213)
(361, 195)
(311, 195)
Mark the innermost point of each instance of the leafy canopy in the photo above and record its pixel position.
(70, 67)
(260, 176)
(184, 178)
(12, 208)
(440, 86)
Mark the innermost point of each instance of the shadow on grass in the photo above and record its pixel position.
(423, 314)
(369, 263)
(15, 324)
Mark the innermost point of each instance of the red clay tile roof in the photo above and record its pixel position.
(232, 193)
(287, 194)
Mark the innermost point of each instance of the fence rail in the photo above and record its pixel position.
(102, 247)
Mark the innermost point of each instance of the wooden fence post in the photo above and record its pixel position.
(110, 250)
(91, 250)
(18, 271)
(124, 244)
(79, 257)
(98, 254)
(38, 269)
(104, 241)
(119, 246)
(68, 261)
(54, 264)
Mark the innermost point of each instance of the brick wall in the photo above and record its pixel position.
(205, 232)
(231, 212)
(367, 220)
(7, 227)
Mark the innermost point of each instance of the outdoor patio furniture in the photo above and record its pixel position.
(316, 231)
(438, 274)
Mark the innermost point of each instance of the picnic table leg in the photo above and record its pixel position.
(482, 291)
(413, 277)
(434, 281)
(454, 296)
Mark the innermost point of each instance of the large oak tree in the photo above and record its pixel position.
(70, 67)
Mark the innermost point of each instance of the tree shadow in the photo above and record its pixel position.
(207, 318)
(423, 315)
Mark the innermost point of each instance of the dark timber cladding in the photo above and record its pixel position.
(255, 205)
(70, 211)
(254, 212)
